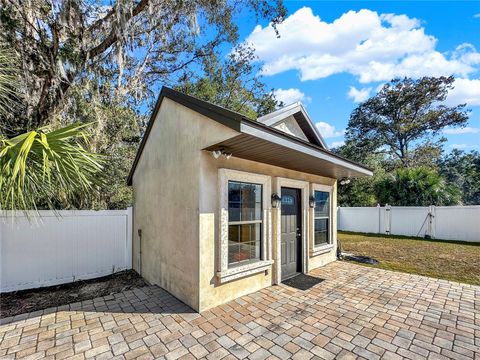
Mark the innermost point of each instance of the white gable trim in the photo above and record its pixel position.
(292, 109)
(290, 126)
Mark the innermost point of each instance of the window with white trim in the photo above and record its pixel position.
(245, 222)
(322, 218)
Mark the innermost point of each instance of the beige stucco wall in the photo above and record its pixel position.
(166, 197)
(212, 292)
(176, 198)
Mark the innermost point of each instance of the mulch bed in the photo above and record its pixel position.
(303, 281)
(19, 302)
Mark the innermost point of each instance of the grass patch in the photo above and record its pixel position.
(450, 260)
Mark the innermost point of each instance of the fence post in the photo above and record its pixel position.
(431, 221)
(379, 210)
(339, 225)
(128, 250)
(388, 219)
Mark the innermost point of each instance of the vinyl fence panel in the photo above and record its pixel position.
(62, 247)
(458, 223)
(359, 219)
(409, 220)
(440, 222)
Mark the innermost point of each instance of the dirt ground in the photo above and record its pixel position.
(19, 302)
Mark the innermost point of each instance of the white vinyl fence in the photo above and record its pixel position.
(61, 247)
(439, 222)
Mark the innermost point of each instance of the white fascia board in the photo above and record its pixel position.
(278, 114)
(314, 128)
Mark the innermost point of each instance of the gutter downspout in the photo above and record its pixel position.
(140, 251)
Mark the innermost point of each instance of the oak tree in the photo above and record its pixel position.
(134, 45)
(403, 120)
(233, 83)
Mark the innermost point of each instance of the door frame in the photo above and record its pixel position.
(303, 186)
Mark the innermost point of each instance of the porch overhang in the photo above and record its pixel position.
(259, 142)
(263, 144)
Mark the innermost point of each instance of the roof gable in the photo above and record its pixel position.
(314, 144)
(281, 119)
(290, 126)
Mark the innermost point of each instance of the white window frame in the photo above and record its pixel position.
(224, 273)
(321, 249)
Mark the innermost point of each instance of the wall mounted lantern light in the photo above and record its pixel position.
(276, 200)
(311, 201)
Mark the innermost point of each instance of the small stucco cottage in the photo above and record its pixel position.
(225, 205)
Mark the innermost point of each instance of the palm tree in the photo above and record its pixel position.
(41, 163)
(419, 186)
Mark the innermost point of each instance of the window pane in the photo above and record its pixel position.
(233, 253)
(233, 234)
(322, 203)
(244, 243)
(244, 205)
(250, 250)
(321, 231)
(244, 233)
(234, 203)
(244, 201)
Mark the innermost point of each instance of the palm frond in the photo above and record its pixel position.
(44, 163)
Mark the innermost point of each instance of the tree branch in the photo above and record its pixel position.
(112, 36)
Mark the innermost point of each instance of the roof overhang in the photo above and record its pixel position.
(260, 143)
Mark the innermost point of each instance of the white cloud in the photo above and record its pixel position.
(465, 91)
(459, 131)
(289, 96)
(359, 95)
(458, 146)
(328, 131)
(463, 146)
(336, 144)
(371, 46)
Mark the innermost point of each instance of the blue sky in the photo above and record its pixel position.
(333, 54)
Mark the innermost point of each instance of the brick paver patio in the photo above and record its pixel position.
(357, 312)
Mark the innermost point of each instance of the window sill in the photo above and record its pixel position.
(321, 249)
(243, 271)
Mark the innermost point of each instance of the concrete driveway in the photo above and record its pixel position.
(356, 312)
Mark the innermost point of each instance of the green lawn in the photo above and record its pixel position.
(454, 261)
